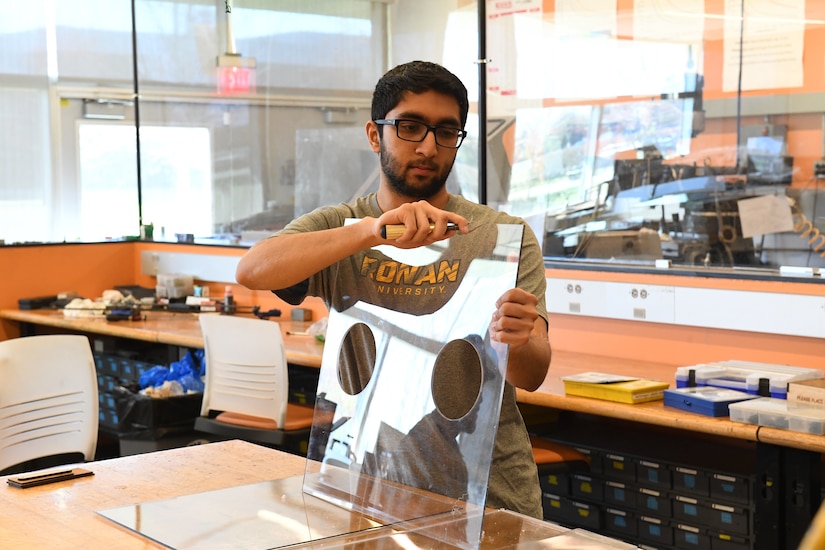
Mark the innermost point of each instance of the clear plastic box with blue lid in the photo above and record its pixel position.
(765, 379)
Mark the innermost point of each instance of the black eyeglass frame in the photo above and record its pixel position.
(394, 122)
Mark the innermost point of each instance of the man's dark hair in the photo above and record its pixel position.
(417, 77)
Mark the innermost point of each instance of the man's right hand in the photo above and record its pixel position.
(422, 223)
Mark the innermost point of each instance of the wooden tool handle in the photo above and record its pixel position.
(392, 232)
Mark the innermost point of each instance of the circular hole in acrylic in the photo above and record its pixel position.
(356, 359)
(457, 378)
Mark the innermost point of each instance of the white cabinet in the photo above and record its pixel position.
(766, 312)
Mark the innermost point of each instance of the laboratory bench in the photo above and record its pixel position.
(783, 469)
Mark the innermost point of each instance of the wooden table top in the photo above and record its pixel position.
(551, 394)
(178, 329)
(63, 515)
(66, 514)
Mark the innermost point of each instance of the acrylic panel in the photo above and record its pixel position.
(408, 403)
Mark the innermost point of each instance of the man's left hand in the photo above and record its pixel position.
(514, 317)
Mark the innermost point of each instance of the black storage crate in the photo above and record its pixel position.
(652, 473)
(586, 487)
(595, 457)
(729, 518)
(555, 508)
(585, 515)
(688, 536)
(137, 412)
(655, 530)
(620, 523)
(731, 487)
(619, 494)
(618, 466)
(107, 411)
(689, 509)
(554, 483)
(690, 480)
(721, 541)
(113, 372)
(303, 384)
(653, 503)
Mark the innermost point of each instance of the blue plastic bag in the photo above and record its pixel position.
(153, 377)
(188, 372)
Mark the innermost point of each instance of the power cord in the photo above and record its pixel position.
(805, 228)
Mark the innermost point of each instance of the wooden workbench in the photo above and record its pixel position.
(183, 329)
(551, 394)
(163, 327)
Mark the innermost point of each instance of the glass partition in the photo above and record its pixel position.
(627, 132)
(221, 120)
(686, 132)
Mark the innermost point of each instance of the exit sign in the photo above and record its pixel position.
(236, 80)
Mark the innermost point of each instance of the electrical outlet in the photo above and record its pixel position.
(819, 169)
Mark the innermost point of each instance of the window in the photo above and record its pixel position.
(622, 133)
(176, 172)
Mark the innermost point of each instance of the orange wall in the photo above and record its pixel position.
(804, 143)
(679, 345)
(42, 270)
(814, 46)
(89, 269)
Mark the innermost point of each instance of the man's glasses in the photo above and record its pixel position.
(413, 130)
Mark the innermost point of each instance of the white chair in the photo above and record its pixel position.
(246, 386)
(48, 402)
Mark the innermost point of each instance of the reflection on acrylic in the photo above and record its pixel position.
(405, 421)
(409, 401)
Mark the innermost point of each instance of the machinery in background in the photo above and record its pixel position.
(686, 213)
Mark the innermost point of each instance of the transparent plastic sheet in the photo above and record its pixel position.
(502, 529)
(408, 404)
(270, 514)
(406, 457)
(276, 514)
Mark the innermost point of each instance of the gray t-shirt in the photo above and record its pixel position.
(513, 476)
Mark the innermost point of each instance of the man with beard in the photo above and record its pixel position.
(419, 110)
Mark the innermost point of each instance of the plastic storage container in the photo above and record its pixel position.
(706, 400)
(174, 285)
(748, 376)
(775, 413)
